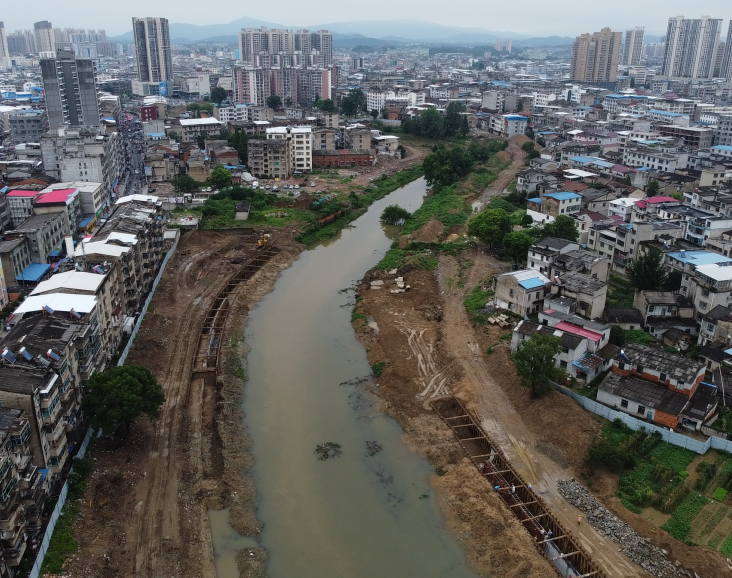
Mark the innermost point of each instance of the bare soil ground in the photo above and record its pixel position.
(145, 512)
(546, 439)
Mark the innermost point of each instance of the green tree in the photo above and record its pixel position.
(374, 114)
(184, 184)
(617, 335)
(218, 94)
(530, 149)
(288, 102)
(534, 361)
(527, 220)
(274, 102)
(516, 246)
(563, 227)
(653, 188)
(464, 127)
(647, 272)
(219, 178)
(239, 140)
(453, 118)
(393, 214)
(490, 226)
(201, 140)
(118, 396)
(446, 166)
(354, 102)
(673, 281)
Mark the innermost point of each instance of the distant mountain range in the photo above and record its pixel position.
(367, 33)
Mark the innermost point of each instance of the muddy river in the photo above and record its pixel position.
(356, 515)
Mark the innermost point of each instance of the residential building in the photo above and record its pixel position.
(595, 57)
(691, 47)
(70, 85)
(3, 287)
(44, 36)
(542, 255)
(580, 261)
(92, 199)
(27, 126)
(270, 159)
(15, 257)
(589, 292)
(507, 125)
(343, 158)
(45, 234)
(633, 47)
(521, 292)
(20, 205)
(278, 47)
(192, 128)
(301, 145)
(723, 134)
(726, 69)
(716, 327)
(152, 49)
(4, 50)
(85, 154)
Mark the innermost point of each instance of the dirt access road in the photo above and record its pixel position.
(145, 512)
(479, 388)
(517, 156)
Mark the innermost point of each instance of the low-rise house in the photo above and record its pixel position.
(625, 317)
(581, 261)
(542, 255)
(716, 327)
(657, 306)
(590, 293)
(521, 292)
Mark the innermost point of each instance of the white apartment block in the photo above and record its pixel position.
(226, 114)
(301, 145)
(723, 135)
(665, 160)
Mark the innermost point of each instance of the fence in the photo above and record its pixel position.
(667, 435)
(138, 323)
(36, 570)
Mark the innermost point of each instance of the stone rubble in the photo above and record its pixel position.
(638, 549)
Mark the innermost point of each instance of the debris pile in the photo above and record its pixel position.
(638, 549)
(328, 450)
(500, 320)
(373, 448)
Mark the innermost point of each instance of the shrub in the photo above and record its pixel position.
(378, 368)
(720, 494)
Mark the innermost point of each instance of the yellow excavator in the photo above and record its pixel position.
(263, 240)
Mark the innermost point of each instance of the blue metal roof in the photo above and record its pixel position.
(564, 196)
(665, 112)
(34, 272)
(532, 283)
(515, 117)
(699, 257)
(723, 147)
(582, 159)
(535, 200)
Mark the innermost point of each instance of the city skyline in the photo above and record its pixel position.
(547, 19)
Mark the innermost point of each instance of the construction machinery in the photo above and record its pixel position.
(263, 241)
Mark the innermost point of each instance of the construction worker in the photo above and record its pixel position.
(579, 519)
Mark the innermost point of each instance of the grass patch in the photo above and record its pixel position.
(356, 316)
(639, 336)
(475, 303)
(446, 206)
(620, 292)
(720, 494)
(378, 368)
(726, 548)
(679, 525)
(62, 543)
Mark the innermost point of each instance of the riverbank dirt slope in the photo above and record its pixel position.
(425, 333)
(145, 511)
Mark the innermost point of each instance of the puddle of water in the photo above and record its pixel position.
(357, 515)
(226, 543)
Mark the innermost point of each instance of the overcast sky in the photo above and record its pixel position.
(536, 17)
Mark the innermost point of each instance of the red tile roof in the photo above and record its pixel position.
(58, 196)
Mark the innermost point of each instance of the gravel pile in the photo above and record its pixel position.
(638, 549)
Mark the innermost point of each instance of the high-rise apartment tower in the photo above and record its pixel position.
(691, 47)
(70, 84)
(4, 51)
(595, 57)
(152, 49)
(633, 47)
(45, 36)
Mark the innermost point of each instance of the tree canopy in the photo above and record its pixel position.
(325, 104)
(218, 94)
(274, 102)
(563, 227)
(516, 246)
(220, 177)
(354, 102)
(239, 140)
(653, 188)
(393, 214)
(118, 396)
(534, 361)
(453, 118)
(490, 226)
(184, 184)
(647, 272)
(428, 123)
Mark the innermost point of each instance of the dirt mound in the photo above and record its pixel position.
(430, 232)
(519, 139)
(504, 156)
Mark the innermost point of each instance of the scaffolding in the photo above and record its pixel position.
(551, 538)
